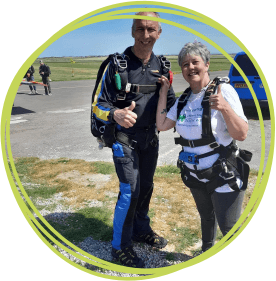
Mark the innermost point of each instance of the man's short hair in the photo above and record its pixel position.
(138, 13)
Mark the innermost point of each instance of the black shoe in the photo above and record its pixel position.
(127, 257)
(152, 239)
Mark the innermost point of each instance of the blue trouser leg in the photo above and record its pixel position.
(31, 86)
(128, 173)
(32, 78)
(135, 171)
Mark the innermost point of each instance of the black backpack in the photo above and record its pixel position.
(48, 69)
(105, 132)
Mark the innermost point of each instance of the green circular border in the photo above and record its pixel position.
(91, 18)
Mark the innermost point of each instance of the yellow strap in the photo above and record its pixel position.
(99, 113)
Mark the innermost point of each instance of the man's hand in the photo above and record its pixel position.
(217, 101)
(126, 117)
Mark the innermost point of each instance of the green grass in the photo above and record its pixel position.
(166, 171)
(24, 165)
(86, 68)
(43, 191)
(104, 168)
(97, 222)
(151, 213)
(186, 237)
(84, 223)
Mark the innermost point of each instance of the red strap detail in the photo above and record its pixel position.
(171, 77)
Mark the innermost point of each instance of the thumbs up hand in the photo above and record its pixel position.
(217, 101)
(132, 106)
(126, 117)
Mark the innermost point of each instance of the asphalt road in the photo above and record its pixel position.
(51, 127)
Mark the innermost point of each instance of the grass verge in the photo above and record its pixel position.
(78, 199)
(85, 68)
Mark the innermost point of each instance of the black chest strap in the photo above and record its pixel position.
(207, 134)
(124, 87)
(231, 162)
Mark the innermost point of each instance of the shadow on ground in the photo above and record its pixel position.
(251, 113)
(20, 110)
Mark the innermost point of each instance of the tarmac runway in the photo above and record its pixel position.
(50, 127)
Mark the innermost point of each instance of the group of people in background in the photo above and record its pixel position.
(44, 71)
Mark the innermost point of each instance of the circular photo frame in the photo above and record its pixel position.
(47, 234)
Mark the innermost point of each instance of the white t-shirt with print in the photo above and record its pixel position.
(189, 126)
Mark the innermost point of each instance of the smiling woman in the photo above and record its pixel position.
(194, 62)
(208, 122)
(194, 70)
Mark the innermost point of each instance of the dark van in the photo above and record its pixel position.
(241, 87)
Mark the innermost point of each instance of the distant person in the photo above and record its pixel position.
(30, 77)
(44, 71)
(211, 164)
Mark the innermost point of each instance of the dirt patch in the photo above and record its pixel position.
(88, 190)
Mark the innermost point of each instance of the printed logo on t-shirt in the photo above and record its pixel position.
(191, 117)
(182, 117)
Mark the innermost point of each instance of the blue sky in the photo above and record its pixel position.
(115, 35)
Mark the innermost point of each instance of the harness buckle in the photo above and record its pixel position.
(214, 145)
(227, 175)
(120, 61)
(166, 63)
(133, 144)
(224, 79)
(121, 97)
(191, 143)
(128, 86)
(137, 88)
(123, 64)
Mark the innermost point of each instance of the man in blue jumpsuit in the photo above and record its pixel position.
(135, 152)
